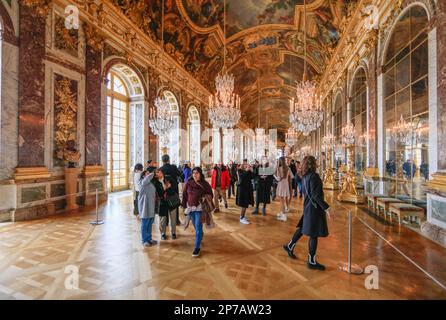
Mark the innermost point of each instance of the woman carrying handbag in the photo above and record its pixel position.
(314, 220)
(194, 191)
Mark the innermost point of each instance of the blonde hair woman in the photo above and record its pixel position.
(284, 176)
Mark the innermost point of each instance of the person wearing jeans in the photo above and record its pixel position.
(194, 190)
(220, 182)
(147, 203)
(198, 225)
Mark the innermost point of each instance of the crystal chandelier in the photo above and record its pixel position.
(403, 131)
(306, 113)
(348, 134)
(224, 105)
(291, 137)
(328, 142)
(161, 121)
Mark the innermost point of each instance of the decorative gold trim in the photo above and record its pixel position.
(31, 173)
(371, 172)
(94, 171)
(438, 183)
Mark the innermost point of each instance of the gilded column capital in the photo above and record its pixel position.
(40, 7)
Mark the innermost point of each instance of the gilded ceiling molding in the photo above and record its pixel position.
(94, 37)
(40, 7)
(115, 26)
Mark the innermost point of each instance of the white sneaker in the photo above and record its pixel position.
(279, 215)
(287, 209)
(244, 221)
(282, 217)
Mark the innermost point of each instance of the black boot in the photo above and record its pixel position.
(255, 211)
(289, 251)
(313, 264)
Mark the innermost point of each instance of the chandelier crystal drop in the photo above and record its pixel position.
(161, 120)
(328, 142)
(291, 137)
(348, 134)
(306, 113)
(403, 131)
(224, 105)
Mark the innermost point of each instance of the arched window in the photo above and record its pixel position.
(193, 136)
(117, 133)
(358, 104)
(406, 95)
(174, 135)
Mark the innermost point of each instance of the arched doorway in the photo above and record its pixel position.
(193, 136)
(125, 125)
(173, 149)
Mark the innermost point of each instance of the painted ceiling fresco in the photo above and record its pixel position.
(264, 40)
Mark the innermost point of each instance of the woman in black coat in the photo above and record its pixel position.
(313, 223)
(245, 193)
(263, 190)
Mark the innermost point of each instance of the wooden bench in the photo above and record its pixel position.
(371, 200)
(384, 203)
(402, 210)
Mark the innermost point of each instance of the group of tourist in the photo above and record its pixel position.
(157, 192)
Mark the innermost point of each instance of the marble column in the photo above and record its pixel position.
(93, 106)
(441, 80)
(372, 85)
(31, 153)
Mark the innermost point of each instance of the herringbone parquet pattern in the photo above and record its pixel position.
(237, 261)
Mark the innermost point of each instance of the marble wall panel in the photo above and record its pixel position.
(9, 111)
(441, 93)
(93, 106)
(31, 89)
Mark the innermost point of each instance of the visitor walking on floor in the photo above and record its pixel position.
(245, 193)
(194, 190)
(147, 207)
(136, 186)
(263, 191)
(313, 223)
(284, 176)
(232, 167)
(220, 182)
(298, 178)
(171, 172)
(166, 212)
(187, 172)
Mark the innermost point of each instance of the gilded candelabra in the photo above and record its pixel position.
(349, 191)
(329, 174)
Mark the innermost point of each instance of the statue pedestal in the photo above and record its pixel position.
(71, 175)
(350, 197)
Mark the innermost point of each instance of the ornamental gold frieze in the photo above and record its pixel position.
(40, 7)
(129, 38)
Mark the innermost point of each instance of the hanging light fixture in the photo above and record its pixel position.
(291, 137)
(224, 105)
(161, 118)
(306, 113)
(261, 138)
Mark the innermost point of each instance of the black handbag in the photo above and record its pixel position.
(173, 201)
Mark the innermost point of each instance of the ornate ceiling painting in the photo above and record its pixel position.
(264, 43)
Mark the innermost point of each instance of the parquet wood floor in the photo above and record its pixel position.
(237, 261)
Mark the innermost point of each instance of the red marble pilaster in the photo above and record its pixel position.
(372, 85)
(31, 88)
(441, 65)
(93, 101)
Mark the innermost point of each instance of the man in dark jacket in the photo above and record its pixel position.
(232, 178)
(172, 173)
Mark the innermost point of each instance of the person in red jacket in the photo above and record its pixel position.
(220, 183)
